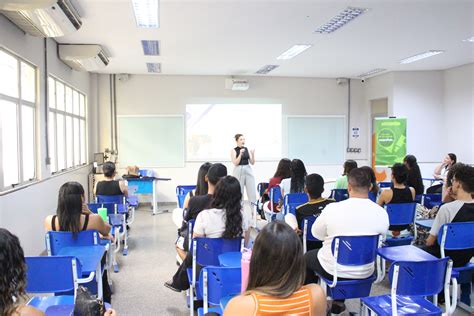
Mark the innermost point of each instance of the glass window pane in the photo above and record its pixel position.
(51, 93)
(28, 141)
(68, 100)
(52, 141)
(8, 121)
(75, 99)
(77, 154)
(8, 75)
(83, 141)
(60, 95)
(60, 142)
(69, 142)
(28, 80)
(82, 105)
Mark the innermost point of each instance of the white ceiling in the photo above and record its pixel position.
(237, 37)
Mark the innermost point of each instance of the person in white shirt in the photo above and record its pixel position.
(356, 216)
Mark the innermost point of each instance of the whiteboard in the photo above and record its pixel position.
(151, 141)
(317, 139)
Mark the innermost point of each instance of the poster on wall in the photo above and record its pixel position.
(389, 144)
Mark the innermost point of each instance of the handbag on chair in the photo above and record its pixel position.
(87, 304)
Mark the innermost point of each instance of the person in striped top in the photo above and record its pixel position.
(276, 277)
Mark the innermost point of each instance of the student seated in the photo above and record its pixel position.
(374, 188)
(341, 182)
(314, 187)
(283, 172)
(460, 210)
(226, 219)
(398, 193)
(198, 203)
(71, 217)
(201, 185)
(441, 172)
(294, 184)
(414, 179)
(356, 216)
(276, 277)
(110, 186)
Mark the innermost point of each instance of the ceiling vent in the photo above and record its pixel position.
(83, 57)
(236, 84)
(42, 18)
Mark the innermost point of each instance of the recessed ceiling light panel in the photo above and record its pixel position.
(294, 51)
(146, 13)
(266, 69)
(349, 14)
(420, 56)
(371, 72)
(151, 48)
(153, 67)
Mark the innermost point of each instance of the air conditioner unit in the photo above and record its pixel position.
(236, 84)
(83, 57)
(42, 18)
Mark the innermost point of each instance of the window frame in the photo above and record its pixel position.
(19, 102)
(65, 114)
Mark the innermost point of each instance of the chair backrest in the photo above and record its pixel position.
(372, 196)
(385, 184)
(339, 194)
(117, 199)
(182, 191)
(261, 187)
(418, 198)
(456, 236)
(209, 249)
(430, 200)
(55, 241)
(307, 223)
(355, 250)
(401, 213)
(94, 207)
(221, 282)
(275, 194)
(420, 278)
(292, 200)
(52, 274)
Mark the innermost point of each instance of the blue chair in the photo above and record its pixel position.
(275, 198)
(216, 283)
(181, 192)
(339, 194)
(57, 240)
(410, 282)
(431, 200)
(458, 236)
(307, 223)
(385, 184)
(292, 200)
(119, 200)
(206, 252)
(262, 187)
(351, 251)
(58, 274)
(373, 197)
(418, 198)
(401, 214)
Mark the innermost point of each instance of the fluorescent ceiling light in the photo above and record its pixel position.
(371, 72)
(153, 67)
(349, 14)
(146, 13)
(266, 69)
(424, 55)
(151, 48)
(294, 51)
(469, 40)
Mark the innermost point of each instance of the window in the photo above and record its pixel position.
(67, 126)
(260, 124)
(17, 121)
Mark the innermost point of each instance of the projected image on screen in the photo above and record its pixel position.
(210, 130)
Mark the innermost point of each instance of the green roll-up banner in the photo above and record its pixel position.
(390, 140)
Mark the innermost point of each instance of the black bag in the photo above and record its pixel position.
(87, 304)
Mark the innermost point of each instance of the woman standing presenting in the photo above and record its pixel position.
(242, 158)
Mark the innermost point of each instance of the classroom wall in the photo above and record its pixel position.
(166, 95)
(23, 211)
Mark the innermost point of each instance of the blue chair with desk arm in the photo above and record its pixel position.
(182, 191)
(401, 214)
(459, 236)
(411, 282)
(275, 198)
(385, 184)
(205, 252)
(292, 200)
(431, 200)
(351, 251)
(261, 188)
(307, 223)
(339, 194)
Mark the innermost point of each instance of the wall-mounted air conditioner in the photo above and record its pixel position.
(236, 84)
(42, 18)
(83, 57)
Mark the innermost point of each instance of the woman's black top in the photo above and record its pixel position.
(84, 227)
(108, 188)
(245, 155)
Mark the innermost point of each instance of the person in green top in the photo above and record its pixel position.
(341, 183)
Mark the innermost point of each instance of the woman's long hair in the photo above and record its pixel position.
(12, 272)
(228, 196)
(373, 180)
(202, 186)
(284, 169)
(278, 249)
(298, 173)
(414, 174)
(70, 207)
